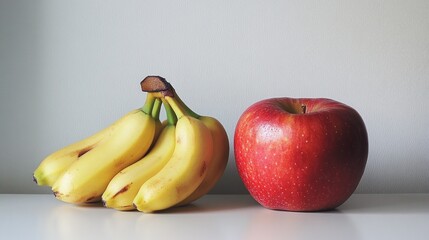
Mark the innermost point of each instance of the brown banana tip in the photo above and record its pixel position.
(34, 179)
(154, 84)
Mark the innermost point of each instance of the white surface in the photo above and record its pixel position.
(217, 217)
(69, 68)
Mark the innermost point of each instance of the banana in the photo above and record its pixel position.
(55, 164)
(220, 153)
(86, 179)
(219, 160)
(186, 169)
(123, 188)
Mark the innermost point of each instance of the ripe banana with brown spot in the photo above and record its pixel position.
(123, 188)
(220, 153)
(86, 179)
(219, 160)
(55, 164)
(186, 169)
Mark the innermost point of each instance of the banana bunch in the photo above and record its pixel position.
(139, 162)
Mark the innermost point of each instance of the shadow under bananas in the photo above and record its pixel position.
(205, 217)
(214, 203)
(68, 221)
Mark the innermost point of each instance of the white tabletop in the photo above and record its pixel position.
(363, 216)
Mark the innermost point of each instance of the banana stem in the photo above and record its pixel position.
(171, 116)
(177, 108)
(186, 109)
(156, 109)
(160, 88)
(148, 105)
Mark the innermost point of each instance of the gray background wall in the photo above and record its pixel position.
(70, 68)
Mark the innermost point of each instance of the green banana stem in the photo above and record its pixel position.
(185, 108)
(148, 105)
(160, 88)
(177, 108)
(156, 108)
(171, 116)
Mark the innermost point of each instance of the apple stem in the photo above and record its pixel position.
(304, 108)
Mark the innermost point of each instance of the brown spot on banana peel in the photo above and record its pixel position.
(203, 169)
(181, 189)
(124, 189)
(92, 199)
(83, 151)
(59, 195)
(125, 208)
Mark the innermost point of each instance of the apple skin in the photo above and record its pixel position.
(296, 161)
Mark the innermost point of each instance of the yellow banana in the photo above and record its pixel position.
(55, 164)
(85, 180)
(219, 160)
(124, 186)
(186, 169)
(220, 153)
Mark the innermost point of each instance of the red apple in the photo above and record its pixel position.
(300, 154)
